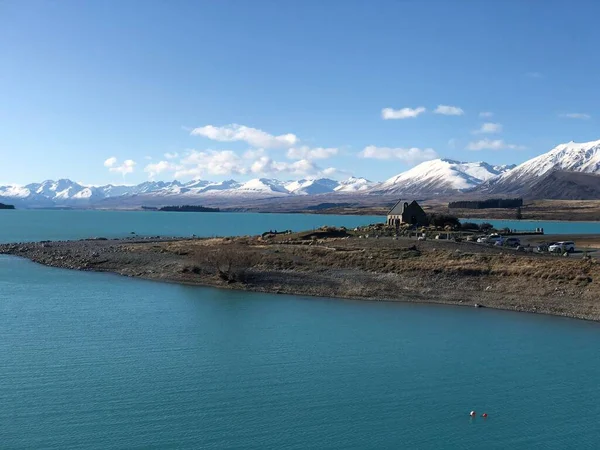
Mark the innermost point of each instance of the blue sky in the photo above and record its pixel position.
(120, 92)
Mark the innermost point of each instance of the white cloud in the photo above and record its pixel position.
(311, 153)
(408, 155)
(110, 162)
(200, 164)
(254, 153)
(113, 165)
(171, 155)
(489, 128)
(252, 136)
(582, 116)
(265, 165)
(158, 168)
(404, 113)
(332, 171)
(447, 110)
(533, 75)
(495, 144)
(213, 162)
(452, 143)
(486, 114)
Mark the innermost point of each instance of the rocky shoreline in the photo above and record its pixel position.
(347, 267)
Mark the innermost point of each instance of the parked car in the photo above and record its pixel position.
(543, 247)
(493, 238)
(512, 242)
(562, 246)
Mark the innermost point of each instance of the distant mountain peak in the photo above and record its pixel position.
(581, 157)
(438, 176)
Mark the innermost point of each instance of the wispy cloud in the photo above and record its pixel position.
(581, 116)
(489, 128)
(124, 168)
(492, 144)
(155, 169)
(252, 136)
(448, 110)
(171, 155)
(412, 155)
(486, 114)
(266, 165)
(533, 75)
(199, 164)
(311, 153)
(404, 113)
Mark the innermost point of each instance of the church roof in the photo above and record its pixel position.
(397, 209)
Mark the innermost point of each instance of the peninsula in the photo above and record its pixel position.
(343, 263)
(4, 206)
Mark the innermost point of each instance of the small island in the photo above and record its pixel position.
(4, 206)
(182, 208)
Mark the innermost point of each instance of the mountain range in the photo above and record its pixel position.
(570, 170)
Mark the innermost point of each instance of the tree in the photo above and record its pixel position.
(519, 214)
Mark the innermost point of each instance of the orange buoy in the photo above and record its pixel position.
(484, 415)
(473, 414)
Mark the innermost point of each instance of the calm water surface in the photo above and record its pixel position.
(549, 226)
(38, 225)
(99, 361)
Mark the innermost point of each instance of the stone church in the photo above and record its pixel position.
(404, 212)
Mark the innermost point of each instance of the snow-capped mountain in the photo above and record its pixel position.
(439, 176)
(354, 184)
(260, 187)
(312, 186)
(571, 157)
(65, 192)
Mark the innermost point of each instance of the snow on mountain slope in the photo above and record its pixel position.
(354, 184)
(216, 187)
(438, 176)
(573, 157)
(312, 186)
(260, 186)
(14, 191)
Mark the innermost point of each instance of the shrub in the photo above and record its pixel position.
(442, 220)
(485, 226)
(469, 226)
(230, 264)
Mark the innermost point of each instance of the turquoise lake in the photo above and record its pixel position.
(549, 226)
(38, 225)
(100, 361)
(55, 225)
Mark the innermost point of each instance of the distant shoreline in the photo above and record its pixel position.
(584, 211)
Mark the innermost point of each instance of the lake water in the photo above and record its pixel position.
(99, 361)
(38, 225)
(549, 226)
